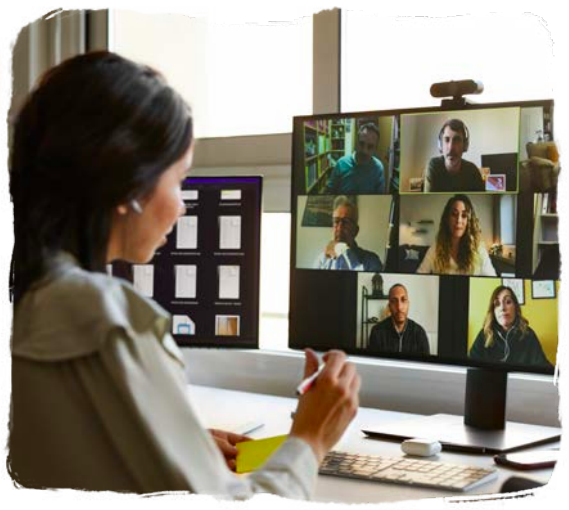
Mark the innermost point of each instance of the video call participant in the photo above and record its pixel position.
(506, 335)
(458, 248)
(99, 391)
(450, 172)
(398, 333)
(362, 172)
(342, 252)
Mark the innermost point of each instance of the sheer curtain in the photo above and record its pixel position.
(49, 40)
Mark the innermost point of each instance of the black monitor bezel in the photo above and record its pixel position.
(297, 159)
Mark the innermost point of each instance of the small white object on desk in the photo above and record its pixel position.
(421, 447)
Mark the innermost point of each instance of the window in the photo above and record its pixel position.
(240, 79)
(275, 275)
(508, 220)
(390, 62)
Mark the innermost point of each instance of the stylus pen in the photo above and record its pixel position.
(306, 384)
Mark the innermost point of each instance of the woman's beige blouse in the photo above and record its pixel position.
(100, 400)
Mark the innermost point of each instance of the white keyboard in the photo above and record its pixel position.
(407, 471)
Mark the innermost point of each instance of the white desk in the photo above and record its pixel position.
(223, 409)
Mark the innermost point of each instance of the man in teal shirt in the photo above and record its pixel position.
(360, 173)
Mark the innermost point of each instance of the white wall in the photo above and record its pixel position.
(491, 132)
(373, 221)
(395, 386)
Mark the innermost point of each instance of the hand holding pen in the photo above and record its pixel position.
(328, 401)
(307, 382)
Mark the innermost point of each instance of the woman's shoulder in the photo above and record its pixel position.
(482, 251)
(478, 349)
(427, 262)
(74, 312)
(101, 294)
(430, 253)
(480, 336)
(528, 332)
(80, 283)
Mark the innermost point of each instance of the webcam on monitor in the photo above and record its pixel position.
(456, 90)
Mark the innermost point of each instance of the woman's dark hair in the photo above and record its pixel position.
(490, 322)
(469, 242)
(97, 131)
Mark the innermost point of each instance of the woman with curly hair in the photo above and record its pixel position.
(506, 335)
(458, 249)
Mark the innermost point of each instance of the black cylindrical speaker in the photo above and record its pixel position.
(485, 399)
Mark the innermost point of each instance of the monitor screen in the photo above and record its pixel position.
(428, 235)
(207, 273)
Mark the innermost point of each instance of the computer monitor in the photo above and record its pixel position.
(416, 235)
(207, 274)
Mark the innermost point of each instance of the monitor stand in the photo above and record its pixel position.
(483, 429)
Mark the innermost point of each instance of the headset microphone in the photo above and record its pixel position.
(135, 206)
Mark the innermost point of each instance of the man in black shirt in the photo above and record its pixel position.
(397, 333)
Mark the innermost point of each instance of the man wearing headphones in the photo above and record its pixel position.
(449, 172)
(361, 172)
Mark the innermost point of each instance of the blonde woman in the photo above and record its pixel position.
(506, 335)
(458, 248)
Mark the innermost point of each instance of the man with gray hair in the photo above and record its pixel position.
(342, 252)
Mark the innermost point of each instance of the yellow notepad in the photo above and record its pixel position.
(252, 454)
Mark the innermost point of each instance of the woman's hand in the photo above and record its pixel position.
(226, 442)
(325, 411)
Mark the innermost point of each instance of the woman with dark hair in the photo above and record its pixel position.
(506, 335)
(458, 248)
(99, 400)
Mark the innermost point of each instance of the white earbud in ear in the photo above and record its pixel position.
(136, 207)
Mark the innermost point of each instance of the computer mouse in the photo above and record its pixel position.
(421, 447)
